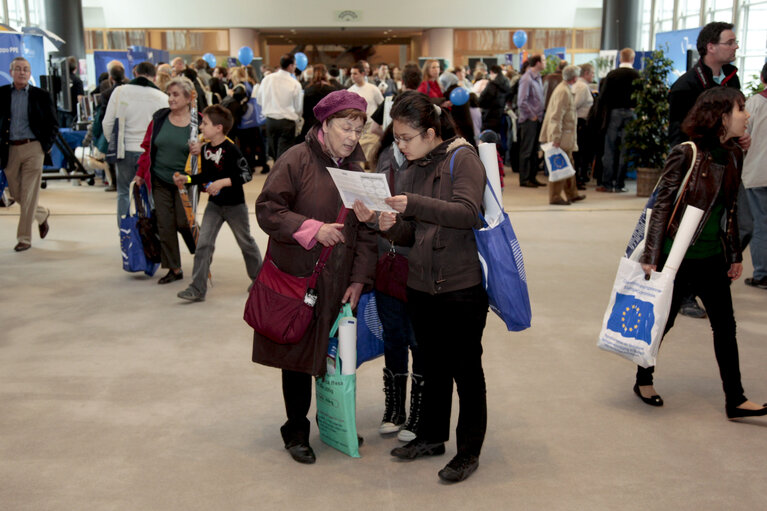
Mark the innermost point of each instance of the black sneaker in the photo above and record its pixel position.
(417, 448)
(691, 309)
(459, 468)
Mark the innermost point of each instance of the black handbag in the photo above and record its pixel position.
(147, 224)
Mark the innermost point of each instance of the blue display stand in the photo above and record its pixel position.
(30, 47)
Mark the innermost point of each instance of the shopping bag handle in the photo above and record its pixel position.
(346, 312)
(487, 184)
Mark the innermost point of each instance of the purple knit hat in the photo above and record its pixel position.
(337, 101)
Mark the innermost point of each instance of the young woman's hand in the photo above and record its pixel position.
(386, 221)
(736, 270)
(648, 269)
(195, 148)
(179, 179)
(397, 203)
(138, 180)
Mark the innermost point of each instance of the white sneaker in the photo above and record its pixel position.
(405, 435)
(387, 428)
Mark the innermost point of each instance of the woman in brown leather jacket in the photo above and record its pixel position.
(447, 302)
(713, 259)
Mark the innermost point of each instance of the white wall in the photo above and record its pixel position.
(322, 13)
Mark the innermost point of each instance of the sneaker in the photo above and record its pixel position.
(760, 283)
(191, 294)
(417, 448)
(459, 468)
(691, 309)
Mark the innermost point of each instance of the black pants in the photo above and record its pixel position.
(448, 329)
(297, 393)
(281, 134)
(584, 157)
(707, 278)
(529, 131)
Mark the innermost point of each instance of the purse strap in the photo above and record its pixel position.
(683, 187)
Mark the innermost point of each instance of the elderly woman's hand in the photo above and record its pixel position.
(397, 203)
(138, 180)
(330, 234)
(179, 179)
(362, 212)
(352, 294)
(195, 148)
(386, 221)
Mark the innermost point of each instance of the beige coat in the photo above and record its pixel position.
(561, 121)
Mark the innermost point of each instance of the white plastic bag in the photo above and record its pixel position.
(557, 162)
(638, 310)
(637, 313)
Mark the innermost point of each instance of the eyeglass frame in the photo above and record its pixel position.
(397, 139)
(730, 43)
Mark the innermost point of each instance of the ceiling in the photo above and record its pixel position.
(339, 36)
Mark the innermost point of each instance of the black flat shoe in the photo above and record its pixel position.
(302, 453)
(655, 400)
(171, 277)
(417, 448)
(733, 412)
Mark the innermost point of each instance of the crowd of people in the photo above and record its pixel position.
(402, 122)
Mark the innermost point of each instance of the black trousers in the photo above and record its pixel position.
(584, 157)
(448, 329)
(707, 278)
(529, 131)
(297, 393)
(281, 134)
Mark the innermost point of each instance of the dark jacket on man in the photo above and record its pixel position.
(616, 92)
(492, 101)
(686, 90)
(41, 114)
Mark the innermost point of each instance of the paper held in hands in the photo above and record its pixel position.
(370, 188)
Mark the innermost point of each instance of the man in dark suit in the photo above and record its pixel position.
(616, 108)
(28, 127)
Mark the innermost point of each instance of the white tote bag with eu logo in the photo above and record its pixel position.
(638, 310)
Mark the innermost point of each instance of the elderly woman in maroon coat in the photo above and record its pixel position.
(298, 208)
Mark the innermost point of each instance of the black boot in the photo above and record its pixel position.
(395, 386)
(410, 429)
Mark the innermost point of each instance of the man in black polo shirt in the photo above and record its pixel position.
(28, 127)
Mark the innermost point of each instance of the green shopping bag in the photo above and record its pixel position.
(336, 402)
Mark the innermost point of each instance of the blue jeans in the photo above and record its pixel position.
(613, 163)
(126, 171)
(757, 202)
(398, 335)
(214, 217)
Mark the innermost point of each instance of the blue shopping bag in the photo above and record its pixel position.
(133, 257)
(503, 269)
(370, 343)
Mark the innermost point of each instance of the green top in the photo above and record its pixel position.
(709, 243)
(172, 145)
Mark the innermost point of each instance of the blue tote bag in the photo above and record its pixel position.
(133, 257)
(503, 269)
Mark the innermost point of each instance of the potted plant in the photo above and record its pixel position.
(646, 137)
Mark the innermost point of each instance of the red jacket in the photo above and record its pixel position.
(431, 89)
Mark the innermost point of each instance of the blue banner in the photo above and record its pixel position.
(675, 45)
(559, 52)
(34, 52)
(11, 46)
(102, 57)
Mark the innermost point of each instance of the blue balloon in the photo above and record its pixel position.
(459, 96)
(210, 59)
(245, 55)
(301, 61)
(520, 38)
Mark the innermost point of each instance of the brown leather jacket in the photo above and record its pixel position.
(707, 181)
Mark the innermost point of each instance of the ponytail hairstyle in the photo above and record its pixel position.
(415, 109)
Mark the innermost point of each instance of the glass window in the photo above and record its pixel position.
(689, 14)
(752, 33)
(17, 16)
(719, 10)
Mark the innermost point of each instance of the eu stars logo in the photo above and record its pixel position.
(632, 318)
